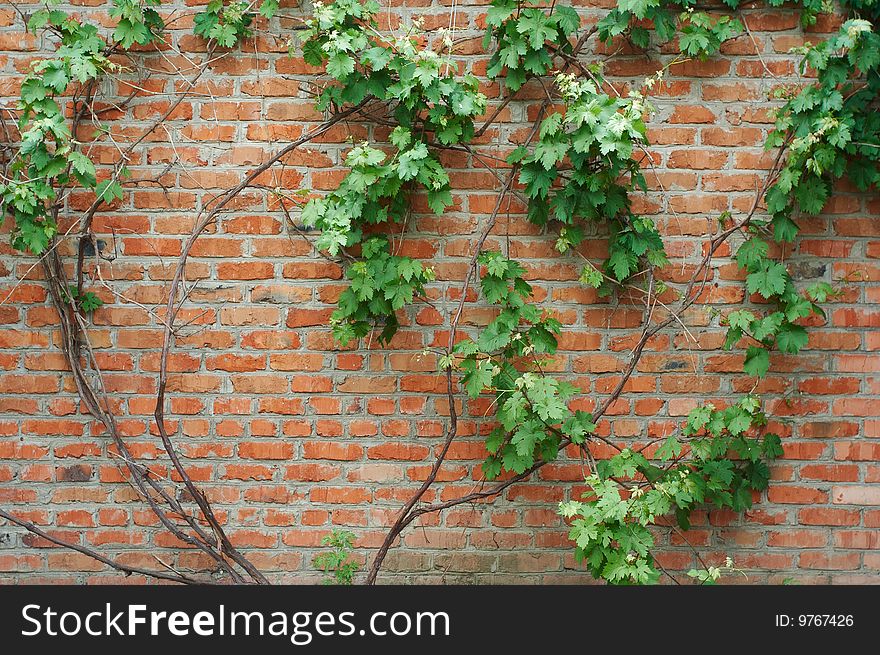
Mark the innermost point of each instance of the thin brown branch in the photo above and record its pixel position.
(125, 568)
(224, 544)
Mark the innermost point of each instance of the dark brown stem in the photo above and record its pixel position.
(172, 308)
(404, 517)
(408, 514)
(73, 339)
(128, 570)
(89, 215)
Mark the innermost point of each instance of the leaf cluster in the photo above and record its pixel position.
(830, 128)
(381, 285)
(427, 95)
(336, 562)
(433, 108)
(531, 407)
(527, 38)
(718, 464)
(228, 23)
(49, 159)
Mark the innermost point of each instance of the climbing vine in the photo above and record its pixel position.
(431, 105)
(576, 171)
(48, 159)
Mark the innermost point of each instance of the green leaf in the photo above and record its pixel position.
(491, 467)
(548, 153)
(535, 24)
(109, 190)
(224, 34)
(769, 281)
(438, 201)
(56, 77)
(83, 69)
(550, 125)
(741, 319)
(791, 338)
(637, 8)
(515, 462)
(739, 423)
(410, 162)
(784, 229)
(33, 90)
(38, 20)
(544, 396)
(812, 194)
(526, 437)
(313, 53)
(517, 155)
(820, 292)
(129, 33)
(694, 42)
(268, 8)
(400, 137)
(88, 302)
(752, 253)
(83, 168)
(34, 237)
(772, 446)
(340, 66)
(537, 180)
(567, 19)
(622, 264)
(400, 295)
(377, 58)
(766, 327)
(479, 377)
(499, 12)
(757, 361)
(698, 418)
(409, 269)
(670, 449)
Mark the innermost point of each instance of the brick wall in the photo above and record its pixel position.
(292, 436)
